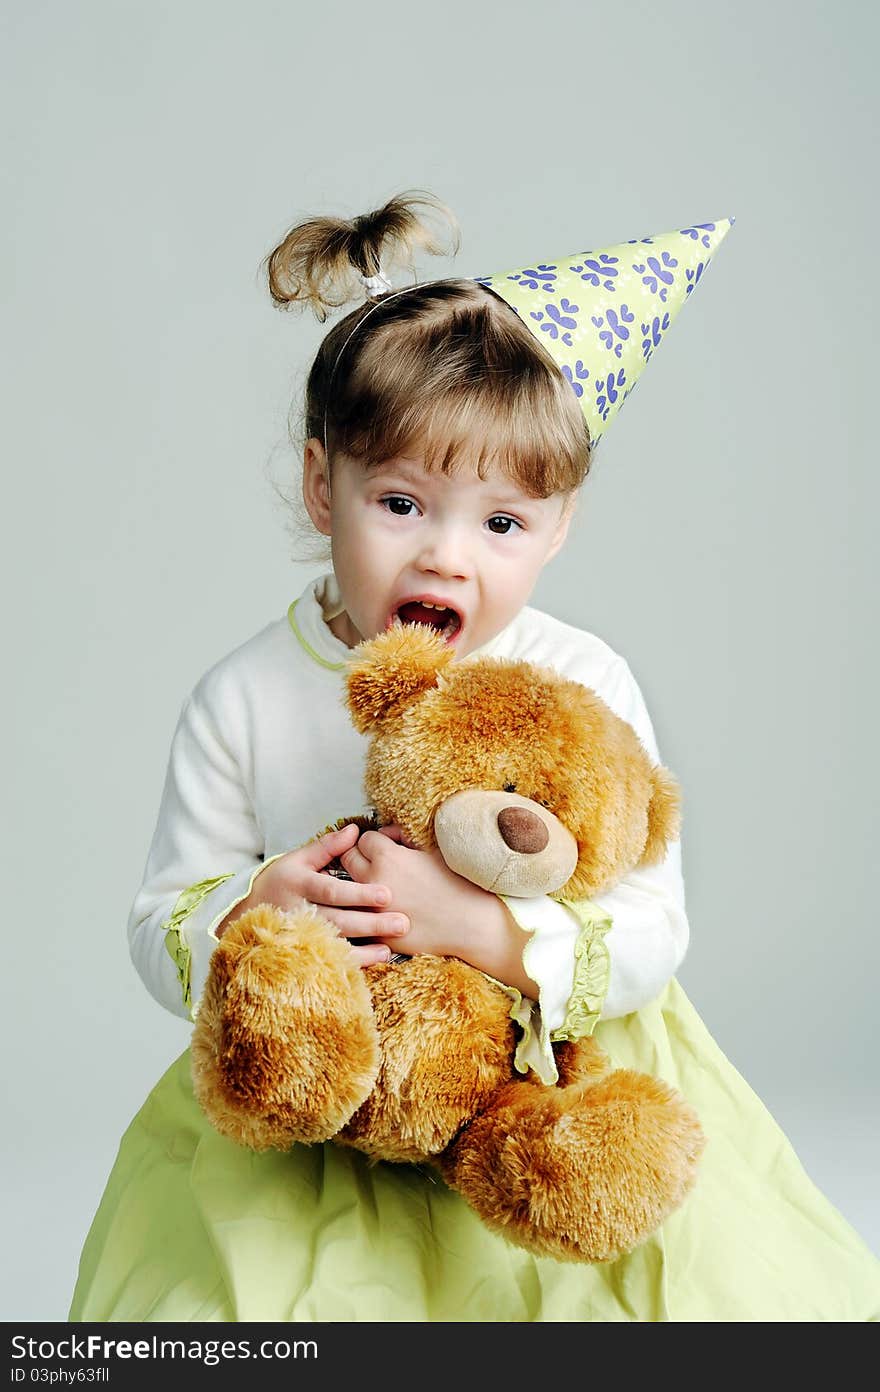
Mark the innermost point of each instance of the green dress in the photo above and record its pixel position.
(192, 1227)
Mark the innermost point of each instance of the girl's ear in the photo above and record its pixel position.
(392, 671)
(316, 485)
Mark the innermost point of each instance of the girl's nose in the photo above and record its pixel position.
(444, 553)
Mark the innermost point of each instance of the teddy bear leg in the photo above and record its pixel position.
(580, 1061)
(284, 1046)
(447, 1042)
(578, 1173)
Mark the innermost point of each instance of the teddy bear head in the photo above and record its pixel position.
(527, 782)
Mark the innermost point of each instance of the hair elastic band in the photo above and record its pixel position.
(376, 284)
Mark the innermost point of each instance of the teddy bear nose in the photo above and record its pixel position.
(522, 830)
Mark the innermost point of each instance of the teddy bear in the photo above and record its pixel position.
(528, 784)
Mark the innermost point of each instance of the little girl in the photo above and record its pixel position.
(445, 442)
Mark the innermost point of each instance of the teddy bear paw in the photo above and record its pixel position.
(579, 1173)
(284, 1047)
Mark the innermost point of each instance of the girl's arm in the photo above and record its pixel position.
(205, 853)
(649, 933)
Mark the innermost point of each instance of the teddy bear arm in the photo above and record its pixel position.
(284, 1047)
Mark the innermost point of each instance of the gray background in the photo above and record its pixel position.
(154, 153)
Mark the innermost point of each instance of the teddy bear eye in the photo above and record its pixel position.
(510, 787)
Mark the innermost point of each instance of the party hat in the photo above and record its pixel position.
(601, 314)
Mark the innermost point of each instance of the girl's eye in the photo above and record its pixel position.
(399, 506)
(397, 498)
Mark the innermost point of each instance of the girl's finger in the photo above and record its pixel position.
(346, 894)
(357, 924)
(356, 863)
(370, 953)
(320, 853)
(393, 832)
(396, 944)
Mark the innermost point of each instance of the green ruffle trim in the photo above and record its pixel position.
(177, 949)
(592, 971)
(532, 1051)
(592, 974)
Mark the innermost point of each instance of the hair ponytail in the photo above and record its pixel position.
(319, 262)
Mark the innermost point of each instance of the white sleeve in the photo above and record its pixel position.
(649, 933)
(649, 930)
(566, 958)
(548, 953)
(205, 853)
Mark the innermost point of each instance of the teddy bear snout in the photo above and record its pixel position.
(523, 830)
(504, 842)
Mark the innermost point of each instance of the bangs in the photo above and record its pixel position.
(466, 388)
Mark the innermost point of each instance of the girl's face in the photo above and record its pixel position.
(403, 533)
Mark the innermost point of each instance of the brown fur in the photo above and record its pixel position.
(608, 1143)
(664, 816)
(284, 1046)
(413, 1060)
(431, 1081)
(375, 692)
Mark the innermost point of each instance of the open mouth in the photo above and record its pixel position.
(445, 620)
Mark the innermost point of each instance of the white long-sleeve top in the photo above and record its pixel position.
(265, 754)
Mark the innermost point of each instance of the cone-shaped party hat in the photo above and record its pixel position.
(601, 314)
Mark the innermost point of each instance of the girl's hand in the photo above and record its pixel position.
(444, 909)
(355, 909)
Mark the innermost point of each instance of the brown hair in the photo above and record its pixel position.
(448, 368)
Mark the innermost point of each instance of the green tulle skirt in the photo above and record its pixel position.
(193, 1227)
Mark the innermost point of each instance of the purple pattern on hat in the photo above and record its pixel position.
(597, 272)
(694, 232)
(539, 279)
(607, 391)
(616, 326)
(558, 323)
(693, 274)
(579, 375)
(653, 273)
(653, 333)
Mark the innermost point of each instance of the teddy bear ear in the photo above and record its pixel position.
(664, 815)
(391, 671)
